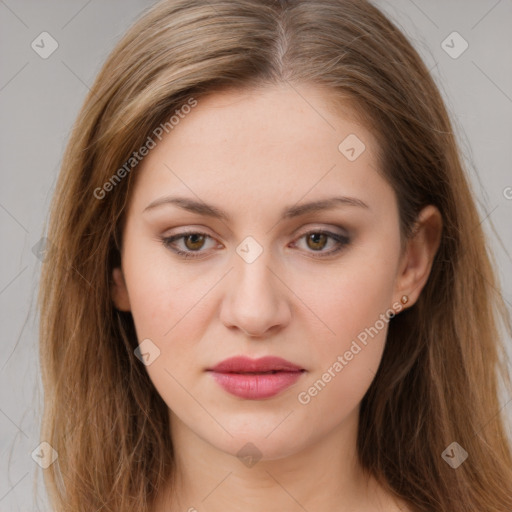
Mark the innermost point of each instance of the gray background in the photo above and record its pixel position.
(40, 98)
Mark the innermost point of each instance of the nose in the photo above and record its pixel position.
(255, 299)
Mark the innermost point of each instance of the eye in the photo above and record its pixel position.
(194, 241)
(317, 240)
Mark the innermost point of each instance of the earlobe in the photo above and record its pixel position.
(419, 254)
(119, 292)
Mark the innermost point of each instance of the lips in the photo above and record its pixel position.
(263, 365)
(255, 378)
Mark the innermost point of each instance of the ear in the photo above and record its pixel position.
(417, 259)
(119, 292)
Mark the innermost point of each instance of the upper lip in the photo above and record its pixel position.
(242, 364)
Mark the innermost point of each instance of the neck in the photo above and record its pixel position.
(323, 476)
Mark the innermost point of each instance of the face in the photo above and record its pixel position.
(313, 286)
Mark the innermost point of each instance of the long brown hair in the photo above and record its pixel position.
(439, 379)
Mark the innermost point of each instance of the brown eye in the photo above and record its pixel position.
(323, 243)
(194, 242)
(317, 241)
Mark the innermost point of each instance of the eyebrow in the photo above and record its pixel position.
(209, 210)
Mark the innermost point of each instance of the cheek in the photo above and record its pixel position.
(356, 305)
(350, 298)
(166, 307)
(160, 292)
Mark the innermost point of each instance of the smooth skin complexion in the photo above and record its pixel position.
(254, 154)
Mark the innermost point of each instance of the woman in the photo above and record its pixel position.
(268, 287)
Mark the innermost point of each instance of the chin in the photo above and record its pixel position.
(261, 439)
(252, 449)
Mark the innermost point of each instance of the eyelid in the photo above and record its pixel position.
(321, 229)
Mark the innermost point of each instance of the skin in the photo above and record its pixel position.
(254, 153)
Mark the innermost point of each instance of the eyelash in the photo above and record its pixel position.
(341, 240)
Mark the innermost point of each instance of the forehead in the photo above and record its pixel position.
(261, 147)
(278, 116)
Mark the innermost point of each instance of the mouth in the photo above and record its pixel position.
(242, 364)
(255, 379)
(259, 373)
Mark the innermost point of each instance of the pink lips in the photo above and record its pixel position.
(255, 378)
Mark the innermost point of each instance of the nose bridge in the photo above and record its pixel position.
(253, 279)
(254, 300)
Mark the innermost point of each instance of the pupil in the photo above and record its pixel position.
(314, 239)
(195, 239)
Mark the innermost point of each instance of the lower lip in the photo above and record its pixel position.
(256, 386)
